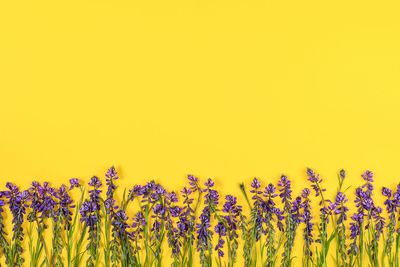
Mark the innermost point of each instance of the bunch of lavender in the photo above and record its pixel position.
(308, 228)
(204, 234)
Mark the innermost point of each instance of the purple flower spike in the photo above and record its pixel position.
(342, 174)
(74, 182)
(285, 189)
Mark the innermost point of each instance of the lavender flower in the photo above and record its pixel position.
(307, 232)
(111, 176)
(204, 235)
(221, 231)
(391, 207)
(232, 212)
(367, 176)
(17, 204)
(74, 182)
(341, 210)
(90, 214)
(3, 240)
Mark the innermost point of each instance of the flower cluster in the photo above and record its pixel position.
(132, 229)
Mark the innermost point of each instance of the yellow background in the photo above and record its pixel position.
(222, 89)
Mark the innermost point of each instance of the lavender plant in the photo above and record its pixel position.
(113, 231)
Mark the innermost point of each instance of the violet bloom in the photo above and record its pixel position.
(231, 212)
(286, 192)
(89, 216)
(221, 231)
(74, 182)
(95, 192)
(341, 209)
(342, 174)
(391, 207)
(292, 221)
(111, 176)
(194, 183)
(3, 241)
(367, 176)
(306, 218)
(316, 184)
(186, 221)
(355, 231)
(122, 239)
(204, 235)
(270, 209)
(36, 201)
(172, 232)
(17, 204)
(257, 211)
(135, 191)
(65, 205)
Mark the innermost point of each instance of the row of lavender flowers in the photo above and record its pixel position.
(96, 225)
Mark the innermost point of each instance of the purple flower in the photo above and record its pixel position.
(286, 192)
(138, 224)
(342, 174)
(74, 182)
(306, 218)
(355, 230)
(341, 209)
(111, 176)
(204, 235)
(221, 231)
(135, 191)
(95, 192)
(65, 205)
(194, 183)
(367, 176)
(316, 183)
(17, 204)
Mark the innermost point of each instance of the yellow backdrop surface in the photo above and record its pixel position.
(222, 89)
